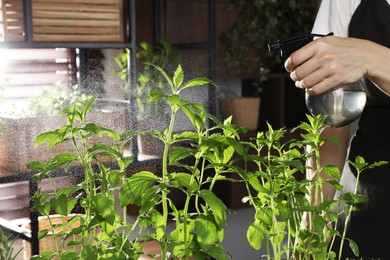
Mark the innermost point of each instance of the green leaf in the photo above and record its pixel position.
(196, 113)
(159, 224)
(52, 138)
(173, 99)
(168, 79)
(134, 187)
(237, 146)
(319, 222)
(217, 253)
(176, 243)
(197, 82)
(44, 209)
(216, 205)
(60, 205)
(206, 231)
(114, 177)
(46, 255)
(105, 206)
(68, 190)
(89, 252)
(183, 136)
(179, 153)
(335, 184)
(184, 180)
(111, 133)
(60, 160)
(178, 77)
(93, 128)
(42, 233)
(113, 256)
(36, 166)
(264, 215)
(156, 95)
(254, 182)
(354, 247)
(69, 255)
(332, 171)
(85, 108)
(255, 234)
(149, 199)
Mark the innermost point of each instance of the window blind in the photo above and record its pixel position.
(27, 72)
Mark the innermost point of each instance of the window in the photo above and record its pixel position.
(27, 72)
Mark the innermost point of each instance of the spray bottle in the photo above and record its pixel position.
(342, 104)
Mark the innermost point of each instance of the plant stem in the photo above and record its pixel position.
(165, 175)
(348, 215)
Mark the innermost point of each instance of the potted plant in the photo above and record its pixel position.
(150, 115)
(192, 163)
(287, 222)
(105, 232)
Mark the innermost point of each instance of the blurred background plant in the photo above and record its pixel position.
(7, 246)
(48, 102)
(260, 22)
(162, 55)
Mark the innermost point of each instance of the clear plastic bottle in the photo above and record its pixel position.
(341, 105)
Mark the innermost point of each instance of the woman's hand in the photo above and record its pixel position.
(329, 62)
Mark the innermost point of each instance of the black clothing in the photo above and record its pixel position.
(370, 226)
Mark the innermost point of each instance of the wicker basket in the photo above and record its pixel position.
(66, 20)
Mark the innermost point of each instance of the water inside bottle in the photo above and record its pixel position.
(341, 105)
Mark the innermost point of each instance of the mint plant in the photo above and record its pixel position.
(199, 160)
(287, 221)
(199, 232)
(97, 234)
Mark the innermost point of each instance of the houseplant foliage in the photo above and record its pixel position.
(191, 164)
(23, 121)
(47, 102)
(287, 222)
(162, 55)
(150, 115)
(105, 233)
(262, 21)
(7, 246)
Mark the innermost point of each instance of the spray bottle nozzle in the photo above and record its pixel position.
(292, 44)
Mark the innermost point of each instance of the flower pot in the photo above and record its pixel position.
(48, 243)
(245, 111)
